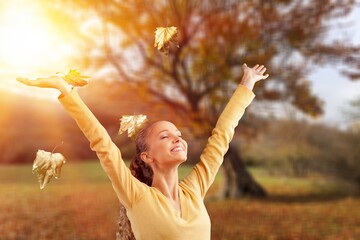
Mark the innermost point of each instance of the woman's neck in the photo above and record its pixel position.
(167, 182)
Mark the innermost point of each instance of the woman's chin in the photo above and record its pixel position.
(182, 160)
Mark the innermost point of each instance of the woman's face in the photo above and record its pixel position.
(166, 146)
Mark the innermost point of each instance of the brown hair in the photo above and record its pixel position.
(141, 171)
(138, 167)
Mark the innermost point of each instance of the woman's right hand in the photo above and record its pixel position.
(253, 75)
(55, 82)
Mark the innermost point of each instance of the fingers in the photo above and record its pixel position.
(47, 82)
(261, 69)
(24, 80)
(256, 67)
(28, 82)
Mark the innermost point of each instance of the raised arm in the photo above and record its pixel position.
(204, 172)
(125, 185)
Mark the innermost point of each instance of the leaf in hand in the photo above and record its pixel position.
(164, 36)
(46, 165)
(75, 78)
(132, 124)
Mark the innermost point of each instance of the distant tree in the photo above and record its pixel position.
(215, 38)
(352, 113)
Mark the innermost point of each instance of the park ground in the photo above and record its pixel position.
(82, 205)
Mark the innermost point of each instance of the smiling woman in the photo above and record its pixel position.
(176, 209)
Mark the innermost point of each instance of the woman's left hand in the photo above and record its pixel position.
(253, 75)
(55, 82)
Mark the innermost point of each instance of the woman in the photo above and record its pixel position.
(166, 209)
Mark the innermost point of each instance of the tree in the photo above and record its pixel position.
(352, 113)
(215, 38)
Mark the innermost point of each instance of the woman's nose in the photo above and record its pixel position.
(176, 139)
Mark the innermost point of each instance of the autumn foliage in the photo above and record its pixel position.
(70, 208)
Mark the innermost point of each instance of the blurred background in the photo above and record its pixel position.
(293, 168)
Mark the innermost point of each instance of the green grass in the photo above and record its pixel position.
(302, 186)
(80, 171)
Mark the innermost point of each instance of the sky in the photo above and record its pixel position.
(30, 46)
(332, 87)
(36, 42)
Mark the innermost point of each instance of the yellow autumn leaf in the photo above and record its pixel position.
(164, 36)
(132, 124)
(75, 78)
(47, 165)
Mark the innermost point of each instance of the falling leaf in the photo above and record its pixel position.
(47, 165)
(75, 78)
(132, 124)
(164, 36)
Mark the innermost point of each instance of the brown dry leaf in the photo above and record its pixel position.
(132, 124)
(46, 165)
(164, 36)
(75, 78)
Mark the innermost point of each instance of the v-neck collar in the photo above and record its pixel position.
(178, 213)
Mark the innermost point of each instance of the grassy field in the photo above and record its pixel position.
(82, 205)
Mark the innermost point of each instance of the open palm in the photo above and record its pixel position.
(253, 75)
(256, 72)
(48, 82)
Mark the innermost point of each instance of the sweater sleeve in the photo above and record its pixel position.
(127, 188)
(203, 174)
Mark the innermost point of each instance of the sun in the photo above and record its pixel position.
(34, 42)
(29, 40)
(24, 38)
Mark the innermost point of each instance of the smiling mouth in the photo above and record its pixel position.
(177, 149)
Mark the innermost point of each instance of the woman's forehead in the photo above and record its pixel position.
(163, 126)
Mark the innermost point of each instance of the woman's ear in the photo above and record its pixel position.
(146, 157)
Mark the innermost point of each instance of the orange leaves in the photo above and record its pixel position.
(77, 209)
(283, 219)
(75, 78)
(164, 36)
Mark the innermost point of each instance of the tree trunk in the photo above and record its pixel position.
(238, 181)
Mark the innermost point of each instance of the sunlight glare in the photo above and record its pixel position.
(31, 45)
(24, 40)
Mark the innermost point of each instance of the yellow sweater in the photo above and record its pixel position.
(150, 213)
